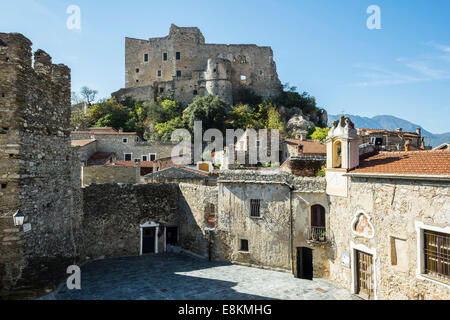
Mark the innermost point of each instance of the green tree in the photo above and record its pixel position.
(109, 113)
(163, 110)
(163, 131)
(78, 120)
(242, 117)
(274, 120)
(320, 134)
(211, 110)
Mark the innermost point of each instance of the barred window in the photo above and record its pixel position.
(437, 254)
(255, 206)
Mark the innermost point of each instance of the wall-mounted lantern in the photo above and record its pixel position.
(18, 218)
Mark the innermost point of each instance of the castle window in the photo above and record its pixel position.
(137, 81)
(146, 57)
(137, 70)
(127, 156)
(195, 92)
(4, 185)
(165, 56)
(243, 79)
(255, 208)
(178, 73)
(152, 156)
(144, 158)
(159, 73)
(4, 130)
(125, 140)
(3, 94)
(161, 90)
(244, 245)
(178, 55)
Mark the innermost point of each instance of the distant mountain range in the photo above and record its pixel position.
(392, 123)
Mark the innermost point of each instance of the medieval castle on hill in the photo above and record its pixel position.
(183, 66)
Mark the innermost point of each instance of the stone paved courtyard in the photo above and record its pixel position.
(179, 276)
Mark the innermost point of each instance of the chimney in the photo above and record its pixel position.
(419, 132)
(407, 145)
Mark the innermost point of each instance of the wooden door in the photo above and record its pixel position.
(148, 240)
(365, 272)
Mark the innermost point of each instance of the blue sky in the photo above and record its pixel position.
(321, 46)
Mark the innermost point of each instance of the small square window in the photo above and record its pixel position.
(146, 57)
(4, 185)
(152, 156)
(244, 245)
(125, 140)
(144, 158)
(178, 73)
(161, 90)
(128, 156)
(137, 70)
(195, 92)
(165, 56)
(255, 208)
(178, 55)
(159, 73)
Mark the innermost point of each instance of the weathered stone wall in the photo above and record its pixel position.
(113, 174)
(254, 62)
(112, 215)
(86, 151)
(193, 219)
(394, 207)
(38, 168)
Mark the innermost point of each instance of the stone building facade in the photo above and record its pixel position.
(127, 146)
(390, 216)
(183, 66)
(38, 170)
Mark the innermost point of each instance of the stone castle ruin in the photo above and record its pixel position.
(183, 66)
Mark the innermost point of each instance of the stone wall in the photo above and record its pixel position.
(113, 174)
(194, 200)
(393, 207)
(112, 215)
(38, 168)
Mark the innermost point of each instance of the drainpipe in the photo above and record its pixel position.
(291, 231)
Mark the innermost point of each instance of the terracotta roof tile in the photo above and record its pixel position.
(81, 143)
(309, 146)
(429, 162)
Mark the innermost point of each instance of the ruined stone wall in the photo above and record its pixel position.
(114, 174)
(37, 167)
(86, 151)
(112, 215)
(194, 200)
(394, 207)
(254, 62)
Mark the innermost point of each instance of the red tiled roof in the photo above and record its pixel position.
(309, 146)
(202, 173)
(429, 162)
(144, 164)
(81, 143)
(391, 132)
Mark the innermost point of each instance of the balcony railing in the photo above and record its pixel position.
(316, 234)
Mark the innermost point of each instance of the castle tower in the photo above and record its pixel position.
(342, 155)
(38, 174)
(217, 79)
